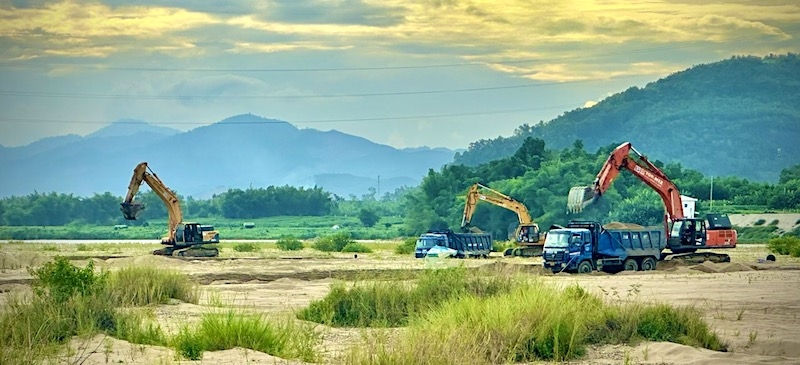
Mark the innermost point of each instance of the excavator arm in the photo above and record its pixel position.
(478, 192)
(628, 158)
(131, 209)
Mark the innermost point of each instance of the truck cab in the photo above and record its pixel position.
(566, 248)
(427, 241)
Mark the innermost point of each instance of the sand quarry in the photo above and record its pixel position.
(753, 305)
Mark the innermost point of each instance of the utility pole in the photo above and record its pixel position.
(379, 188)
(712, 193)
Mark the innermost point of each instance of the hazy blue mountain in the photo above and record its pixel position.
(129, 127)
(238, 152)
(737, 117)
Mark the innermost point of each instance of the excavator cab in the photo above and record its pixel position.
(528, 233)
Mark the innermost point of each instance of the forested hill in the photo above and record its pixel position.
(737, 117)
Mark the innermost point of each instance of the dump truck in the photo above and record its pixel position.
(466, 245)
(585, 246)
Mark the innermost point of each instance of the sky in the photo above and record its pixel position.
(437, 73)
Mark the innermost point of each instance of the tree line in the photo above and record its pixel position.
(56, 209)
(541, 178)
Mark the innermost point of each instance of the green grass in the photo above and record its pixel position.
(266, 228)
(757, 234)
(289, 244)
(406, 247)
(530, 323)
(786, 245)
(246, 247)
(236, 328)
(139, 286)
(393, 303)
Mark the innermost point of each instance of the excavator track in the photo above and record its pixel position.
(699, 258)
(523, 251)
(197, 251)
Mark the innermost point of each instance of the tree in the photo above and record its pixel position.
(368, 217)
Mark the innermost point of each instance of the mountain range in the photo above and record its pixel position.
(238, 152)
(736, 117)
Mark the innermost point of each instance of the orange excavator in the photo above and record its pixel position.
(685, 235)
(183, 238)
(527, 234)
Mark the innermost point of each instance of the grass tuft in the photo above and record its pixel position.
(138, 286)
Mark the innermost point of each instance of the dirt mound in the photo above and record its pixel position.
(713, 268)
(620, 225)
(145, 260)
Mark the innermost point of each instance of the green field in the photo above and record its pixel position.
(265, 228)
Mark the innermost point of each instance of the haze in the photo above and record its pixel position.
(438, 73)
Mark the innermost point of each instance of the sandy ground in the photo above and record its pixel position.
(753, 306)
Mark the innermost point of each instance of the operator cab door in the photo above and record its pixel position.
(692, 232)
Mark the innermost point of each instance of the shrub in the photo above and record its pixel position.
(60, 280)
(289, 244)
(333, 243)
(139, 286)
(356, 247)
(245, 247)
(774, 222)
(407, 247)
(368, 217)
(759, 222)
(785, 245)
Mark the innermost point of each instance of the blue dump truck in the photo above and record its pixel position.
(584, 246)
(466, 245)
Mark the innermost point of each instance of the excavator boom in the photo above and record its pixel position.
(685, 234)
(182, 239)
(527, 233)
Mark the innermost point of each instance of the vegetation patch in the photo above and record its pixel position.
(69, 301)
(392, 303)
(356, 247)
(236, 328)
(246, 247)
(532, 322)
(406, 247)
(333, 243)
(289, 244)
(785, 245)
(759, 234)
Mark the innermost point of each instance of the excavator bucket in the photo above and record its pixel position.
(579, 197)
(131, 210)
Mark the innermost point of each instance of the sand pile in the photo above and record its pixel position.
(713, 268)
(146, 260)
(620, 225)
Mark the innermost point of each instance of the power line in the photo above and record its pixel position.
(312, 121)
(235, 97)
(378, 68)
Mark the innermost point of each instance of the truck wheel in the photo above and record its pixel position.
(648, 264)
(584, 267)
(631, 265)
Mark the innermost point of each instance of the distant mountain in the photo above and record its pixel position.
(737, 117)
(237, 152)
(129, 127)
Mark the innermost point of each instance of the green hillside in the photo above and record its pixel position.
(737, 117)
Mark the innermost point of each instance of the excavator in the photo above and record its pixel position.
(527, 233)
(183, 238)
(685, 235)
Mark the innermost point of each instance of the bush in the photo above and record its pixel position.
(245, 247)
(407, 247)
(356, 247)
(60, 280)
(786, 245)
(333, 243)
(289, 244)
(759, 222)
(368, 218)
(774, 222)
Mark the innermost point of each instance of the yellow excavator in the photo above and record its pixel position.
(527, 235)
(183, 238)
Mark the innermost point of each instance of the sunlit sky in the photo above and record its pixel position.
(440, 73)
